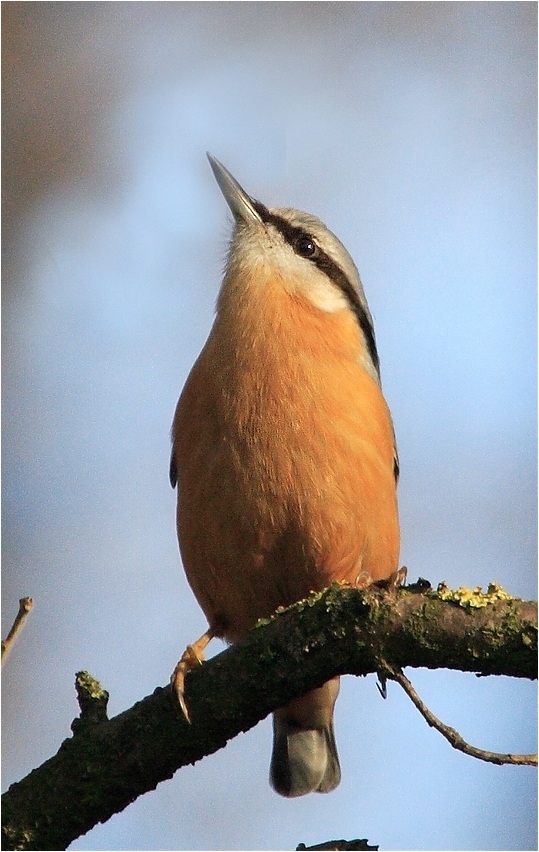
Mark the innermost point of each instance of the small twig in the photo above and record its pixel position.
(453, 736)
(381, 684)
(93, 700)
(339, 845)
(26, 606)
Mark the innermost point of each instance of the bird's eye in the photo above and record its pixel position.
(305, 246)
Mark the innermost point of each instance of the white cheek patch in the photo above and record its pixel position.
(301, 276)
(269, 255)
(323, 294)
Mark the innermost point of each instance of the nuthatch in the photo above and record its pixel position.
(284, 454)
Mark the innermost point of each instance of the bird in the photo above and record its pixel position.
(284, 454)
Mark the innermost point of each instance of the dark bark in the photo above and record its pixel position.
(106, 764)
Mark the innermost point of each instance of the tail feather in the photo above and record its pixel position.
(304, 760)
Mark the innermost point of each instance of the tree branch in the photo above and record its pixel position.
(26, 606)
(339, 846)
(453, 736)
(107, 764)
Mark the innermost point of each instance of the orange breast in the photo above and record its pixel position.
(284, 449)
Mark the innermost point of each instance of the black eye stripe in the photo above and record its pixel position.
(335, 273)
(326, 264)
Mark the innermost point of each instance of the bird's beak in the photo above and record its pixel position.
(237, 199)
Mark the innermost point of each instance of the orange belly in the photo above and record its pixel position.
(285, 460)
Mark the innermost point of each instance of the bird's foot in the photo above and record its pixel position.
(398, 578)
(191, 658)
(395, 580)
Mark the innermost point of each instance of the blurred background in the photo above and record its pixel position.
(410, 129)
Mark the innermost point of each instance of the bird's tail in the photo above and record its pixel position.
(304, 757)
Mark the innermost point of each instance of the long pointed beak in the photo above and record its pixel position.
(237, 199)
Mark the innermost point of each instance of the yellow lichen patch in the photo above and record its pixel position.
(90, 687)
(473, 598)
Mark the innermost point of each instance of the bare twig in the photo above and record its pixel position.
(453, 736)
(93, 700)
(339, 846)
(26, 606)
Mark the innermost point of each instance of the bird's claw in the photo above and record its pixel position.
(394, 581)
(398, 579)
(190, 659)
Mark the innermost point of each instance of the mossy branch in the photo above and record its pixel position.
(107, 764)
